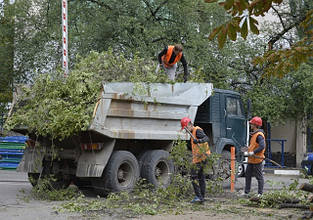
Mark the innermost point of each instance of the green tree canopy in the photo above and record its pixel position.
(243, 19)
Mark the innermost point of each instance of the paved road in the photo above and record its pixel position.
(14, 186)
(271, 182)
(11, 183)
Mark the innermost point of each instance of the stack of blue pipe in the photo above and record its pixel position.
(11, 151)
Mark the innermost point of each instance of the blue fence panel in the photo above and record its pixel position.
(14, 139)
(11, 151)
(269, 151)
(10, 165)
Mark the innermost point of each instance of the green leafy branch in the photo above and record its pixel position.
(240, 21)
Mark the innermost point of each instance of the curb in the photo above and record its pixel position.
(14, 181)
(287, 172)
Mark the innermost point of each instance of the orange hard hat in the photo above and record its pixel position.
(184, 122)
(256, 121)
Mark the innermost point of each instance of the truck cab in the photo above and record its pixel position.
(223, 120)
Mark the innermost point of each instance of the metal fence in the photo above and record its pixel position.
(11, 151)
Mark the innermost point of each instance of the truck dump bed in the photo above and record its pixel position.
(147, 111)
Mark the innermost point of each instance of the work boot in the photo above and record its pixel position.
(203, 198)
(197, 200)
(243, 194)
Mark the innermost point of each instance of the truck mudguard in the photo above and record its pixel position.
(92, 164)
(222, 142)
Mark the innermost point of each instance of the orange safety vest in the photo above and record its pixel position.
(254, 145)
(166, 57)
(198, 153)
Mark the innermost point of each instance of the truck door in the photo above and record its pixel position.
(235, 120)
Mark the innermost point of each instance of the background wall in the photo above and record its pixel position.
(288, 132)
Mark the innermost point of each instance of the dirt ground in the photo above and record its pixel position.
(14, 205)
(217, 208)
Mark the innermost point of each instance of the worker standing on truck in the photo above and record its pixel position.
(200, 152)
(168, 59)
(255, 155)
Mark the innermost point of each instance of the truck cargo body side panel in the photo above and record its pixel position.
(154, 113)
(92, 164)
(101, 111)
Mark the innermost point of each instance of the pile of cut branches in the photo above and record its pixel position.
(59, 108)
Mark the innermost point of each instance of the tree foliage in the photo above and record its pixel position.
(6, 58)
(6, 54)
(139, 29)
(59, 108)
(129, 27)
(242, 19)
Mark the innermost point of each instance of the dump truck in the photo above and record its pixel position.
(132, 131)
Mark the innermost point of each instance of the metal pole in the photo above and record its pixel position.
(233, 168)
(282, 162)
(65, 37)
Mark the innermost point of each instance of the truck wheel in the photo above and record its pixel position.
(241, 170)
(121, 172)
(141, 159)
(157, 168)
(33, 178)
(223, 169)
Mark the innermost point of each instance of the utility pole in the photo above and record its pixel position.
(65, 37)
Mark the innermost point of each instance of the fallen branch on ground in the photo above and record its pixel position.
(290, 205)
(306, 187)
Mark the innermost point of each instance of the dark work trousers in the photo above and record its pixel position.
(255, 170)
(197, 175)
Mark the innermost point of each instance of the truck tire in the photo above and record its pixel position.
(33, 178)
(223, 170)
(241, 170)
(157, 168)
(140, 158)
(121, 172)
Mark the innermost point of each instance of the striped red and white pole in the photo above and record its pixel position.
(65, 37)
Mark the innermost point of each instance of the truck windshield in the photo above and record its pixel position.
(233, 106)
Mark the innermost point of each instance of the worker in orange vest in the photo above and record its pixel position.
(255, 156)
(168, 59)
(200, 152)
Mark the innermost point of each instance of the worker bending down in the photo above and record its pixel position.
(168, 59)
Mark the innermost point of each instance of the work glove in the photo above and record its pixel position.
(195, 141)
(248, 154)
